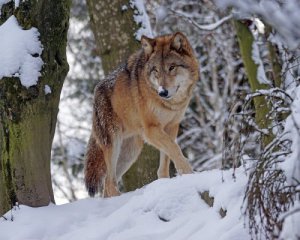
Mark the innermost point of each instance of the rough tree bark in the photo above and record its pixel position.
(114, 30)
(28, 116)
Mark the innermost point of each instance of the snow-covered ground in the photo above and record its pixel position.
(165, 209)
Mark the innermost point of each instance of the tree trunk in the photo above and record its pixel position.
(114, 30)
(114, 27)
(28, 116)
(246, 39)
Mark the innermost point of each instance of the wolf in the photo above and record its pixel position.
(144, 100)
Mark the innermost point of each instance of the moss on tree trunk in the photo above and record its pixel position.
(246, 39)
(114, 30)
(28, 116)
(142, 171)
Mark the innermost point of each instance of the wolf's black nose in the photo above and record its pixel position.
(164, 93)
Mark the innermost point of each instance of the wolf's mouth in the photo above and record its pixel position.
(171, 96)
(166, 94)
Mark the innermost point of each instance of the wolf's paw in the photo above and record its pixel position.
(163, 175)
(184, 167)
(185, 171)
(111, 191)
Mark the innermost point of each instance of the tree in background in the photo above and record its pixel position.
(28, 111)
(74, 118)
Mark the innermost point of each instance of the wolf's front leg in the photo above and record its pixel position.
(158, 138)
(164, 165)
(164, 160)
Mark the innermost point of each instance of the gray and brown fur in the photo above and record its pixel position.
(143, 100)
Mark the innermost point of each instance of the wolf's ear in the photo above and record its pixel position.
(147, 44)
(180, 43)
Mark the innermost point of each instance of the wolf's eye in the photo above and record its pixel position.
(172, 67)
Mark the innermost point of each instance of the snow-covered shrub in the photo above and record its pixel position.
(270, 192)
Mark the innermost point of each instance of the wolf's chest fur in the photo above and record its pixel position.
(136, 105)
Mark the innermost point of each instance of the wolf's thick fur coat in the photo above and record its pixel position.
(143, 100)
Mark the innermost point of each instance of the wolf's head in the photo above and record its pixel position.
(171, 67)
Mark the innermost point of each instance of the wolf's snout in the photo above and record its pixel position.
(163, 92)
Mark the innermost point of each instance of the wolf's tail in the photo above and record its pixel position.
(95, 168)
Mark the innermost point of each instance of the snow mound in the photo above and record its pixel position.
(165, 209)
(20, 52)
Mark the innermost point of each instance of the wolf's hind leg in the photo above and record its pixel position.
(111, 154)
(131, 149)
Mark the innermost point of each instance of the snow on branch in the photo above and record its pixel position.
(261, 74)
(141, 18)
(291, 165)
(283, 16)
(208, 27)
(272, 92)
(20, 52)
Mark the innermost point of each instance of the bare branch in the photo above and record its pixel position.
(208, 27)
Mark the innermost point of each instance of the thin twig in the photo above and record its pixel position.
(208, 27)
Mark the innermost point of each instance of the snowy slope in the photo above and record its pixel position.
(165, 209)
